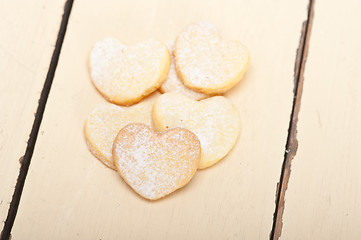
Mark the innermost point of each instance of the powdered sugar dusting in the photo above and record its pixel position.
(206, 62)
(104, 54)
(155, 165)
(126, 74)
(174, 84)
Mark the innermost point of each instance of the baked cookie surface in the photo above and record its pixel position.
(126, 74)
(106, 120)
(156, 164)
(174, 84)
(205, 62)
(214, 120)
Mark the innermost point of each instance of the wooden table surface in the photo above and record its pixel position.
(295, 172)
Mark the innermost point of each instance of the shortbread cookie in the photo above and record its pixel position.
(214, 120)
(174, 84)
(207, 63)
(156, 164)
(106, 120)
(124, 75)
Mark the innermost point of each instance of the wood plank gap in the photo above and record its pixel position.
(292, 143)
(26, 159)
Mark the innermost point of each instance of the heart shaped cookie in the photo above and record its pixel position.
(174, 84)
(156, 164)
(214, 120)
(205, 62)
(106, 120)
(124, 75)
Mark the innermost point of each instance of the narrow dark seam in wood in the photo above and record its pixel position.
(26, 159)
(292, 143)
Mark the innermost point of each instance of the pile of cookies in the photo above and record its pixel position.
(158, 144)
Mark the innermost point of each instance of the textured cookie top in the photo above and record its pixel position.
(214, 120)
(174, 84)
(124, 75)
(156, 164)
(104, 123)
(205, 62)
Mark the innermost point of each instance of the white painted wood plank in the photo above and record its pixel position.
(28, 32)
(69, 194)
(323, 200)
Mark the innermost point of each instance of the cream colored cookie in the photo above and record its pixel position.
(124, 75)
(106, 120)
(156, 164)
(205, 62)
(174, 84)
(214, 120)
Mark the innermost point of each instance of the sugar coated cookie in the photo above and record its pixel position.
(205, 62)
(214, 120)
(156, 164)
(106, 120)
(174, 84)
(124, 75)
